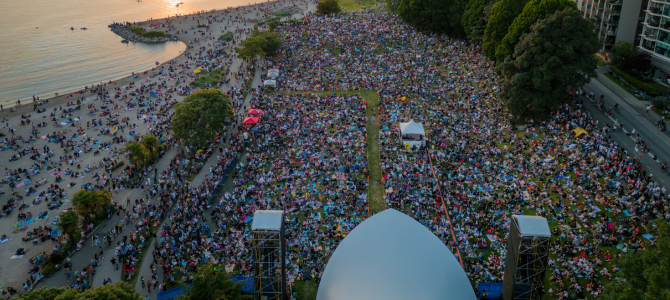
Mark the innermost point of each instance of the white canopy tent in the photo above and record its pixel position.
(270, 82)
(273, 74)
(412, 134)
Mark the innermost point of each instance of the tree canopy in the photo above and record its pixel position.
(645, 273)
(555, 55)
(474, 19)
(89, 203)
(441, 16)
(260, 43)
(118, 291)
(502, 17)
(69, 223)
(635, 64)
(533, 11)
(623, 49)
(200, 116)
(212, 282)
(327, 7)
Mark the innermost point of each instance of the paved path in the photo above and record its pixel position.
(630, 115)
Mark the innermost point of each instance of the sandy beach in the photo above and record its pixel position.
(96, 122)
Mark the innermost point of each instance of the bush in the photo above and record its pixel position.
(148, 34)
(651, 88)
(272, 25)
(282, 14)
(326, 7)
(56, 258)
(49, 269)
(226, 37)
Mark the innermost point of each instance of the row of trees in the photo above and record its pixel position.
(499, 24)
(541, 47)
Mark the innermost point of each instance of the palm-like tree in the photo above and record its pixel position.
(69, 223)
(150, 143)
(88, 203)
(137, 154)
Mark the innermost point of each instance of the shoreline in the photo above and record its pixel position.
(28, 102)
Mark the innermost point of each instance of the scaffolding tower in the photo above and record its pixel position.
(269, 254)
(526, 261)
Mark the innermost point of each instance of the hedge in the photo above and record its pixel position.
(651, 88)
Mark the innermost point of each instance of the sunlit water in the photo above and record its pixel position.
(40, 55)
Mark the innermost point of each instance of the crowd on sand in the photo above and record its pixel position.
(308, 157)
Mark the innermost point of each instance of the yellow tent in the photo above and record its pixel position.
(579, 131)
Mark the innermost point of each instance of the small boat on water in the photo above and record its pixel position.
(71, 28)
(83, 28)
(124, 41)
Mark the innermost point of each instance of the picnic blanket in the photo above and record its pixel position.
(58, 173)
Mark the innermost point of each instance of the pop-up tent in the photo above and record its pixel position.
(255, 112)
(270, 82)
(273, 74)
(251, 120)
(412, 134)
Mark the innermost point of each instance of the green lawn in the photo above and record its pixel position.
(355, 5)
(306, 290)
(599, 60)
(375, 191)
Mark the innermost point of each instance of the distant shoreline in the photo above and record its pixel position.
(74, 93)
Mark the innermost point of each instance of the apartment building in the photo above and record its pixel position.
(615, 20)
(656, 38)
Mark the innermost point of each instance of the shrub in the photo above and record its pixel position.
(326, 7)
(282, 14)
(56, 258)
(148, 34)
(226, 37)
(651, 88)
(49, 269)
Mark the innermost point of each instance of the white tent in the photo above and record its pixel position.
(273, 74)
(275, 71)
(412, 134)
(270, 82)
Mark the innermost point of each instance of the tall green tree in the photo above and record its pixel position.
(260, 43)
(623, 49)
(150, 142)
(137, 154)
(211, 282)
(89, 203)
(327, 7)
(69, 223)
(533, 11)
(474, 19)
(502, 17)
(645, 273)
(200, 116)
(118, 291)
(441, 16)
(555, 55)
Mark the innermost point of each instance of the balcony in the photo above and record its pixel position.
(612, 33)
(652, 23)
(615, 13)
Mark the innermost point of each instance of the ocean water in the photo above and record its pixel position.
(40, 55)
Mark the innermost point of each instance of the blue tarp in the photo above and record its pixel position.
(493, 290)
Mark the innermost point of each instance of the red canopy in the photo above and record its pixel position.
(255, 111)
(156, 24)
(251, 120)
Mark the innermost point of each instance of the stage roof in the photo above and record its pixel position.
(267, 220)
(393, 257)
(533, 226)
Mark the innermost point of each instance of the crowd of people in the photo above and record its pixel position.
(476, 167)
(308, 156)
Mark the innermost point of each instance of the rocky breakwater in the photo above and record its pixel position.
(140, 35)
